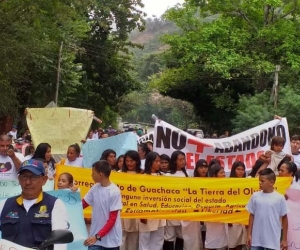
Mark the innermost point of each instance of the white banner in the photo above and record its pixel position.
(245, 147)
(146, 137)
(7, 245)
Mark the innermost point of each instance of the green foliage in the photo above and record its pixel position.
(139, 106)
(96, 68)
(258, 109)
(227, 49)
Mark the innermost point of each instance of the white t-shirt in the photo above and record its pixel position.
(267, 209)
(28, 157)
(297, 160)
(59, 217)
(276, 157)
(105, 200)
(143, 164)
(77, 163)
(7, 167)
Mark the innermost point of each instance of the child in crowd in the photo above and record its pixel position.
(272, 157)
(268, 213)
(216, 232)
(65, 180)
(237, 232)
(105, 198)
(151, 232)
(130, 233)
(109, 155)
(73, 157)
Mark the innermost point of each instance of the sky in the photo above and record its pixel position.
(158, 7)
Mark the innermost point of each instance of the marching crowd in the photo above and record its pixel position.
(268, 209)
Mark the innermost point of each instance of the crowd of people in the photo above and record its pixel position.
(109, 231)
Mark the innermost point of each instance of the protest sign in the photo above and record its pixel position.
(93, 149)
(293, 236)
(146, 137)
(60, 127)
(163, 197)
(73, 204)
(8, 245)
(245, 147)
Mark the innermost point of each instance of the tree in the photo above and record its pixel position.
(258, 109)
(226, 49)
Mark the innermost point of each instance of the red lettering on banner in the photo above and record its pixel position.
(200, 145)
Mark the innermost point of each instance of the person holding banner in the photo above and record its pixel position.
(130, 233)
(237, 232)
(287, 168)
(151, 232)
(216, 233)
(105, 198)
(73, 157)
(109, 155)
(28, 219)
(143, 150)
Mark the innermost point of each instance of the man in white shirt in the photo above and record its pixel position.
(9, 161)
(13, 133)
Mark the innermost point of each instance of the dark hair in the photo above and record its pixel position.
(235, 165)
(200, 163)
(134, 156)
(214, 170)
(116, 167)
(173, 165)
(103, 167)
(295, 138)
(76, 147)
(213, 162)
(40, 152)
(292, 168)
(69, 177)
(256, 167)
(28, 149)
(144, 148)
(106, 153)
(164, 157)
(284, 159)
(277, 141)
(151, 157)
(269, 173)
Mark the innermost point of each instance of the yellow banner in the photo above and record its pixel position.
(60, 127)
(162, 197)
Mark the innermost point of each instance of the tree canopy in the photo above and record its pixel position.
(227, 49)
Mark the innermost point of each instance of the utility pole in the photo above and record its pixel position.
(58, 72)
(277, 69)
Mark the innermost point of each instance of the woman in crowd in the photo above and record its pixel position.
(287, 168)
(237, 232)
(43, 151)
(119, 164)
(130, 233)
(164, 164)
(143, 151)
(109, 155)
(73, 157)
(151, 232)
(216, 233)
(186, 233)
(255, 168)
(201, 170)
